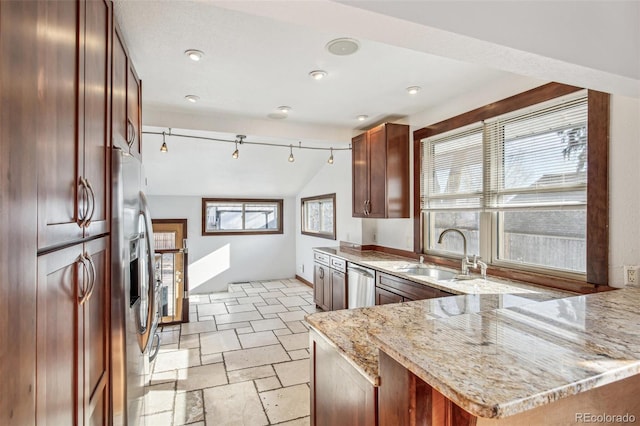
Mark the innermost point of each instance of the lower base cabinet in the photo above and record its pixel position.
(340, 395)
(392, 289)
(72, 329)
(329, 282)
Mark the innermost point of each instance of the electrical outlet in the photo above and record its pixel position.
(630, 274)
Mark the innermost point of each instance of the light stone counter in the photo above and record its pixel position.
(349, 330)
(390, 264)
(506, 361)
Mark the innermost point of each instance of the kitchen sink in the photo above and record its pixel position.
(435, 273)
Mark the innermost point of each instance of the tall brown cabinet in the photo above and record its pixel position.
(55, 178)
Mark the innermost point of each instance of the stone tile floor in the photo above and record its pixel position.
(242, 360)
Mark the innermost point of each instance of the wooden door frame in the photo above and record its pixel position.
(185, 300)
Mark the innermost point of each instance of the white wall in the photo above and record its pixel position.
(216, 261)
(331, 178)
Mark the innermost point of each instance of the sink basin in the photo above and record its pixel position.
(435, 273)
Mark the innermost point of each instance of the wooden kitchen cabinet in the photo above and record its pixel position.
(392, 289)
(329, 282)
(72, 329)
(340, 394)
(134, 111)
(380, 172)
(73, 149)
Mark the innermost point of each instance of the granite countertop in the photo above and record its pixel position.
(389, 264)
(497, 363)
(349, 329)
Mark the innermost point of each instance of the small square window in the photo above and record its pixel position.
(318, 216)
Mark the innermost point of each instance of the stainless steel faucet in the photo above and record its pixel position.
(465, 259)
(466, 264)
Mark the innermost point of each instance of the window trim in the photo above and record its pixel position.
(597, 177)
(278, 202)
(330, 236)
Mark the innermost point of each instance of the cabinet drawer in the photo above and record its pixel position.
(321, 258)
(407, 289)
(339, 264)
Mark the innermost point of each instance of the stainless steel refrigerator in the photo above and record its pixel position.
(134, 291)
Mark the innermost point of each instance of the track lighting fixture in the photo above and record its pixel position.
(239, 140)
(164, 147)
(291, 159)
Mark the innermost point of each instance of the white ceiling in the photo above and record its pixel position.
(258, 55)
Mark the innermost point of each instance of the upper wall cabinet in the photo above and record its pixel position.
(126, 98)
(380, 167)
(73, 113)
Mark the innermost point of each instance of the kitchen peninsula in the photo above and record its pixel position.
(538, 357)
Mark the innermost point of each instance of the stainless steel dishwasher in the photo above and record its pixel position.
(362, 286)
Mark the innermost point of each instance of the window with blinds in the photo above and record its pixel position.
(515, 185)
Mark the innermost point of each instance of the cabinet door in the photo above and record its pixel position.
(338, 290)
(377, 172)
(384, 297)
(119, 93)
(62, 277)
(97, 113)
(340, 395)
(59, 191)
(133, 111)
(318, 284)
(96, 334)
(360, 174)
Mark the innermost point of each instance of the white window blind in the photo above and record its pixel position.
(452, 170)
(538, 159)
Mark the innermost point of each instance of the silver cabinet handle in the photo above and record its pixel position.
(93, 276)
(93, 203)
(131, 137)
(82, 296)
(322, 273)
(364, 207)
(83, 210)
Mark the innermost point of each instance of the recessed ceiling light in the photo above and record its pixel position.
(413, 89)
(285, 109)
(318, 74)
(362, 117)
(192, 98)
(194, 55)
(343, 46)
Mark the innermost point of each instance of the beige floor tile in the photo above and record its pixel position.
(165, 418)
(218, 296)
(304, 421)
(293, 373)
(292, 316)
(201, 377)
(252, 373)
(190, 341)
(286, 403)
(169, 336)
(234, 325)
(163, 377)
(298, 354)
(292, 301)
(212, 309)
(237, 317)
(198, 327)
(255, 357)
(189, 408)
(262, 338)
(249, 299)
(282, 332)
(211, 359)
(273, 284)
(297, 327)
(218, 341)
(159, 398)
(234, 405)
(268, 383)
(173, 360)
(270, 316)
(233, 309)
(244, 330)
(268, 324)
(272, 309)
(292, 342)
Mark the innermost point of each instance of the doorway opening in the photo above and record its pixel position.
(170, 243)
